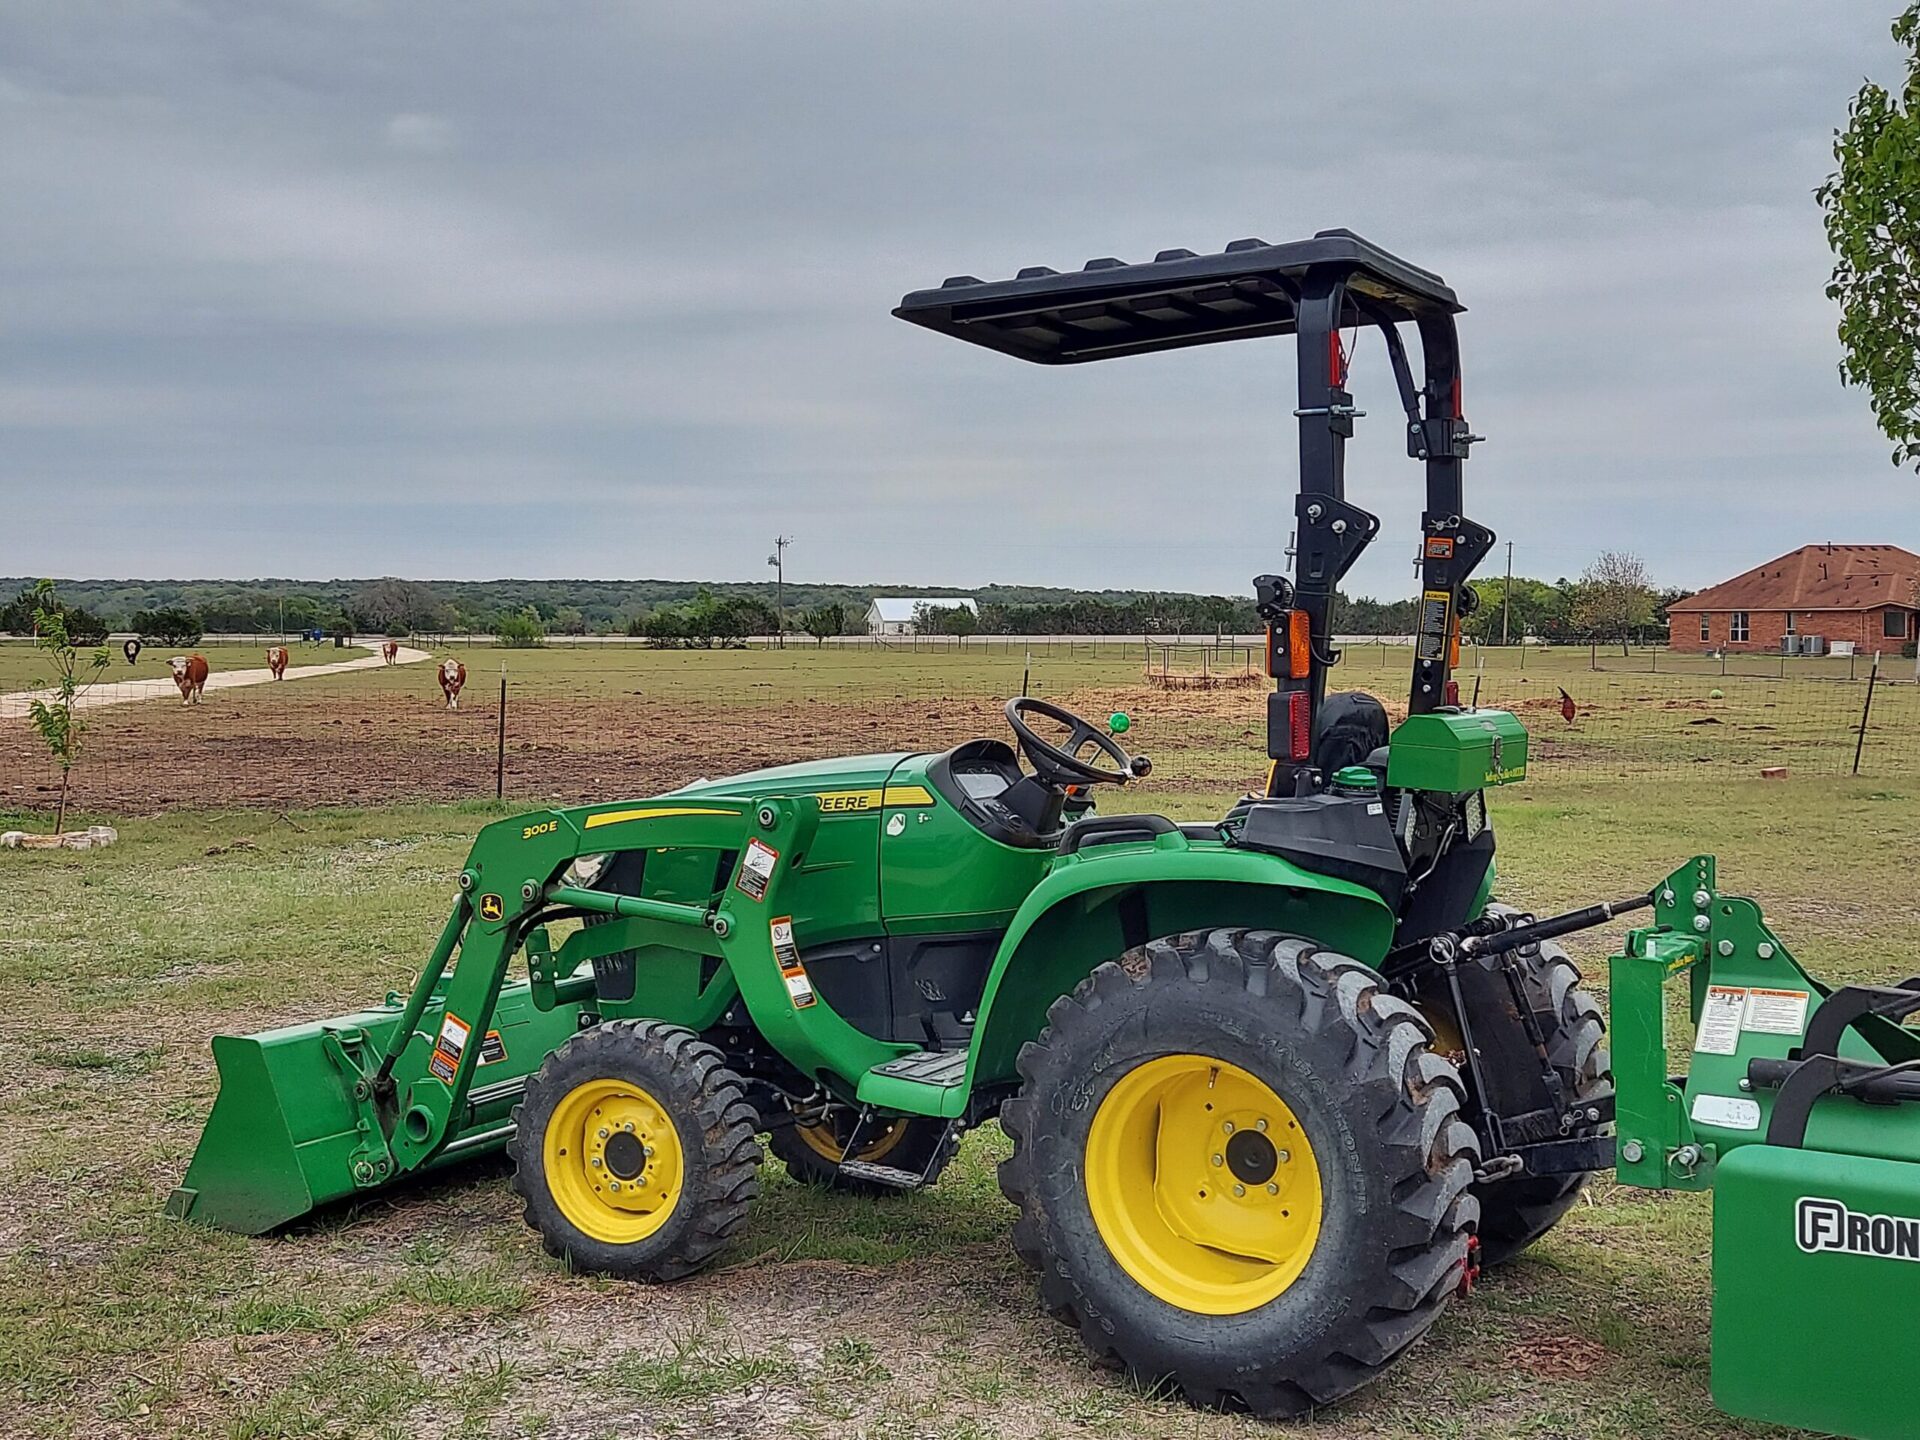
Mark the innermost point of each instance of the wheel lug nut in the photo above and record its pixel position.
(1228, 1127)
(1239, 1189)
(1260, 1125)
(647, 1150)
(1284, 1156)
(628, 1127)
(613, 1184)
(1272, 1189)
(596, 1162)
(604, 1132)
(1219, 1159)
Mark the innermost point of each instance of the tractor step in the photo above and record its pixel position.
(942, 1068)
(888, 1175)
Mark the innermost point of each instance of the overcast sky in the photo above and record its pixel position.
(476, 290)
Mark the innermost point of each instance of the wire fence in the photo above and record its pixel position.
(563, 724)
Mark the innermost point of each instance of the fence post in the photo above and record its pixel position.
(1866, 710)
(500, 741)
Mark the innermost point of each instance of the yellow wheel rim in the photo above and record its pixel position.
(1203, 1184)
(613, 1161)
(829, 1146)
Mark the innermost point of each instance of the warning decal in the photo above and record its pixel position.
(787, 955)
(492, 1049)
(448, 1047)
(756, 869)
(1720, 1016)
(1776, 1012)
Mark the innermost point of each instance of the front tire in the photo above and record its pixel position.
(634, 1150)
(1280, 1264)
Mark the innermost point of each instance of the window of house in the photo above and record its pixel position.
(1893, 624)
(1790, 629)
(1739, 629)
(1706, 630)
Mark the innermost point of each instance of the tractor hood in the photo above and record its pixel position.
(840, 772)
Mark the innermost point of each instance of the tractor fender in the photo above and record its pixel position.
(1101, 902)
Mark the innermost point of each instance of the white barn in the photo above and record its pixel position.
(893, 615)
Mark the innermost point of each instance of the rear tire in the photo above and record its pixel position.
(1348, 1078)
(812, 1153)
(634, 1150)
(1515, 1213)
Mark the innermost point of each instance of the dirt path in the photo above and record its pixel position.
(124, 692)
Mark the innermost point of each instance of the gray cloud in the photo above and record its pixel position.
(467, 291)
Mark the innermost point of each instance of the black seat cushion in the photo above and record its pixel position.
(1350, 727)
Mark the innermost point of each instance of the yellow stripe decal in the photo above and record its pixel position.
(856, 802)
(616, 817)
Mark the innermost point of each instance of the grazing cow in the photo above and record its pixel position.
(277, 661)
(390, 651)
(190, 674)
(452, 676)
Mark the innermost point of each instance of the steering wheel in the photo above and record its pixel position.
(1063, 765)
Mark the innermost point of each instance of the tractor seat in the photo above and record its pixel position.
(1351, 726)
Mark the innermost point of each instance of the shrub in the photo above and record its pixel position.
(520, 630)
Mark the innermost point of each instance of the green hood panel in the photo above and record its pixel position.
(803, 777)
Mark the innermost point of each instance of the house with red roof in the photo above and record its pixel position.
(1867, 594)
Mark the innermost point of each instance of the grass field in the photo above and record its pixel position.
(434, 1311)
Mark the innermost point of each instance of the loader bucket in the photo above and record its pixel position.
(289, 1133)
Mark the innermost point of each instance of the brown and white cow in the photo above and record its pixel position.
(390, 651)
(452, 676)
(190, 674)
(277, 661)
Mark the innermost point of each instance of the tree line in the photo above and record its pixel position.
(1614, 600)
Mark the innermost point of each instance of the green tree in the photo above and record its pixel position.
(55, 716)
(930, 617)
(1872, 208)
(394, 607)
(170, 626)
(520, 629)
(823, 621)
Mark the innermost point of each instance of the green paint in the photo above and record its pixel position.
(1457, 751)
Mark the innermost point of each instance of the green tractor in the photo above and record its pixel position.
(1277, 1084)
(1260, 1137)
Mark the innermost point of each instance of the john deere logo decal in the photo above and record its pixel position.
(1821, 1224)
(491, 907)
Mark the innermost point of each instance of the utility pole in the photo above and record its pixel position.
(778, 560)
(1506, 595)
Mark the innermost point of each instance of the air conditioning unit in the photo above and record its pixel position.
(1813, 645)
(1789, 644)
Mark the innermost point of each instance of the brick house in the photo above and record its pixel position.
(1868, 594)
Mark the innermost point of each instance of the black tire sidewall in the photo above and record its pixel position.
(1310, 1070)
(644, 1056)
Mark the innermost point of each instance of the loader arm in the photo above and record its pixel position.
(317, 1112)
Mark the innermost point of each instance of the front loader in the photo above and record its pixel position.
(1278, 1084)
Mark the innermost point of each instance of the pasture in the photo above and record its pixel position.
(276, 864)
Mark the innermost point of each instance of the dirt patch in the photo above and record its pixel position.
(285, 750)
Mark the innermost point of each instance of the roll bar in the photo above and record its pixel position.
(1312, 289)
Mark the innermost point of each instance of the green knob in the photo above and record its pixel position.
(1356, 777)
(1118, 722)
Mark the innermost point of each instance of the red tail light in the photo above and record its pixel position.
(1453, 692)
(1299, 728)
(1336, 362)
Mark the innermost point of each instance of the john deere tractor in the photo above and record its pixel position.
(1277, 1084)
